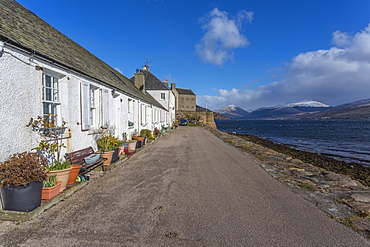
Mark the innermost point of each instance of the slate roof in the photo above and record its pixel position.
(151, 82)
(185, 91)
(21, 28)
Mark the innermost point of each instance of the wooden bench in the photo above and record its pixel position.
(78, 157)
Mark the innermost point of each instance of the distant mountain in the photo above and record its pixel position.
(302, 110)
(289, 111)
(355, 110)
(306, 103)
(216, 115)
(233, 112)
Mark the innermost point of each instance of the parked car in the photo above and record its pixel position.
(183, 122)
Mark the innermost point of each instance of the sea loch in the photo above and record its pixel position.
(347, 140)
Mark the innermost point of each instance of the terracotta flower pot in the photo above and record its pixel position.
(109, 156)
(62, 175)
(74, 173)
(49, 193)
(138, 138)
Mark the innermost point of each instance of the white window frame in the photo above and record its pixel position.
(85, 105)
(51, 96)
(93, 106)
(162, 96)
(105, 107)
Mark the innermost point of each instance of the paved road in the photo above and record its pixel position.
(186, 189)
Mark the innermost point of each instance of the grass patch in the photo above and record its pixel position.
(260, 156)
(305, 186)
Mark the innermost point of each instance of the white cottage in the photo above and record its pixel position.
(42, 71)
(144, 79)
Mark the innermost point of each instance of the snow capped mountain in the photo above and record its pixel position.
(308, 109)
(294, 109)
(226, 109)
(307, 103)
(233, 112)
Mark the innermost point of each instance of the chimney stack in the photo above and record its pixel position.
(139, 80)
(165, 82)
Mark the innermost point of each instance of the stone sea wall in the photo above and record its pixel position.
(206, 118)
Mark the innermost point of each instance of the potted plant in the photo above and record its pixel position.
(50, 188)
(73, 174)
(131, 145)
(107, 144)
(21, 178)
(61, 169)
(146, 133)
(139, 141)
(122, 145)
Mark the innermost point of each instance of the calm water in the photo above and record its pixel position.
(347, 140)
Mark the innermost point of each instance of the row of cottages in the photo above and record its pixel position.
(172, 98)
(42, 71)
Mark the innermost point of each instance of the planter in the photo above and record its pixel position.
(138, 138)
(121, 149)
(49, 193)
(115, 155)
(74, 173)
(138, 144)
(21, 198)
(62, 175)
(132, 146)
(109, 156)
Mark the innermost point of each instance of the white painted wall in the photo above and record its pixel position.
(21, 99)
(168, 103)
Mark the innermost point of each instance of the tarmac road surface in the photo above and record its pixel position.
(188, 188)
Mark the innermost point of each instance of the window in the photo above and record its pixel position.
(93, 105)
(90, 106)
(163, 96)
(50, 96)
(105, 108)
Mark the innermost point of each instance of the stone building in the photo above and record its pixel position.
(186, 100)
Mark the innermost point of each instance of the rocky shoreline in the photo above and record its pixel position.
(336, 187)
(354, 170)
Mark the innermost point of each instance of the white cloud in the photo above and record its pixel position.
(222, 35)
(118, 69)
(169, 78)
(335, 76)
(341, 39)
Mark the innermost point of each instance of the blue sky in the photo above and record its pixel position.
(251, 54)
